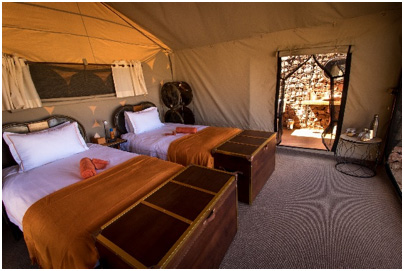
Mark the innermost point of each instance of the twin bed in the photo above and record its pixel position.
(160, 139)
(46, 197)
(249, 154)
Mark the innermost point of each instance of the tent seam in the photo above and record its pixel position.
(78, 35)
(85, 28)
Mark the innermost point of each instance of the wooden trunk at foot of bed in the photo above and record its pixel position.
(187, 223)
(250, 154)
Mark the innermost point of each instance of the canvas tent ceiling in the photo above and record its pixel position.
(68, 32)
(190, 25)
(103, 32)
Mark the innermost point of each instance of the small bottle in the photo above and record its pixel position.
(375, 125)
(111, 133)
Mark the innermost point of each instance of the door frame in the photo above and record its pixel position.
(280, 95)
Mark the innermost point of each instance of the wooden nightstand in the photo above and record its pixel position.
(115, 144)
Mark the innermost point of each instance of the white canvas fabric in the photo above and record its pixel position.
(136, 72)
(18, 90)
(122, 79)
(128, 78)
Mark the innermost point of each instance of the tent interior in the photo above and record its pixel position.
(229, 53)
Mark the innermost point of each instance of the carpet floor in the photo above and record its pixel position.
(308, 215)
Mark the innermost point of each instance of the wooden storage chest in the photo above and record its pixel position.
(250, 154)
(188, 222)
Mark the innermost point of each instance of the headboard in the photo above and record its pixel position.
(23, 128)
(119, 117)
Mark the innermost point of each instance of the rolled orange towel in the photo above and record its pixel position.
(186, 130)
(99, 164)
(87, 168)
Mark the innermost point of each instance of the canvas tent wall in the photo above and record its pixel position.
(68, 32)
(227, 51)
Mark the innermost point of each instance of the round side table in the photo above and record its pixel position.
(357, 158)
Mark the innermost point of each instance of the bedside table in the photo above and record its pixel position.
(115, 144)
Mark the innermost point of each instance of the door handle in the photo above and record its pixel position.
(211, 216)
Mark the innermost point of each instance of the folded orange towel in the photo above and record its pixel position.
(87, 168)
(186, 130)
(99, 164)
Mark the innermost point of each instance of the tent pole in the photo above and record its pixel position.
(126, 21)
(343, 98)
(171, 66)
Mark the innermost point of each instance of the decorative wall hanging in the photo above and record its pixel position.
(63, 80)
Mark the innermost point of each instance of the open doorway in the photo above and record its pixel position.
(311, 97)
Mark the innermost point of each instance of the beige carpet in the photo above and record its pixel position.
(309, 215)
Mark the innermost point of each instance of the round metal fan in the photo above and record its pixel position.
(181, 114)
(186, 92)
(170, 95)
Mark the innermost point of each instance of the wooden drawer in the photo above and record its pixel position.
(250, 154)
(188, 222)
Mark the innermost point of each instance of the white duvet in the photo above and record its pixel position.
(154, 143)
(21, 190)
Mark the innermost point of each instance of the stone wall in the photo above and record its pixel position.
(307, 91)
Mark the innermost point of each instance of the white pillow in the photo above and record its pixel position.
(61, 125)
(38, 148)
(128, 123)
(143, 121)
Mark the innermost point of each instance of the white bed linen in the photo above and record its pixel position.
(154, 143)
(21, 190)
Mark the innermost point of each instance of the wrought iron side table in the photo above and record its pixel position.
(357, 158)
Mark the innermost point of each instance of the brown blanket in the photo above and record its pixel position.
(196, 148)
(59, 228)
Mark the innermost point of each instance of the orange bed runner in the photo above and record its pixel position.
(196, 148)
(59, 228)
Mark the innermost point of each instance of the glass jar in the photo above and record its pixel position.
(350, 131)
(365, 135)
